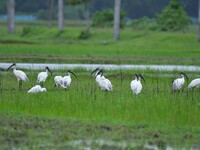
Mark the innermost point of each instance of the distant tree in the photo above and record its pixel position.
(105, 18)
(87, 14)
(51, 8)
(60, 15)
(173, 17)
(11, 16)
(117, 19)
(61, 10)
(199, 23)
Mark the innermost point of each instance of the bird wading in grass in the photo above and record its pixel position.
(20, 75)
(67, 79)
(42, 76)
(136, 85)
(98, 75)
(179, 82)
(58, 80)
(37, 89)
(103, 82)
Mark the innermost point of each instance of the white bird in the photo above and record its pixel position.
(104, 83)
(136, 85)
(37, 89)
(42, 76)
(98, 75)
(179, 82)
(67, 79)
(21, 76)
(58, 80)
(194, 83)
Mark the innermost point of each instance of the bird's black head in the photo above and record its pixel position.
(14, 64)
(95, 70)
(184, 75)
(140, 76)
(136, 76)
(69, 71)
(48, 69)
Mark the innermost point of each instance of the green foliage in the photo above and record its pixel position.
(26, 31)
(144, 23)
(173, 18)
(75, 2)
(105, 18)
(85, 34)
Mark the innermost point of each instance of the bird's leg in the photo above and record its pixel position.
(41, 84)
(179, 91)
(20, 84)
(182, 90)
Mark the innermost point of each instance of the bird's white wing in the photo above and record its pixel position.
(42, 76)
(58, 80)
(178, 83)
(35, 89)
(194, 83)
(105, 84)
(21, 75)
(67, 81)
(136, 86)
(133, 85)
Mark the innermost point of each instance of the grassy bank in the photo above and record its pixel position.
(174, 118)
(46, 45)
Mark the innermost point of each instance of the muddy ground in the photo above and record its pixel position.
(19, 132)
(85, 59)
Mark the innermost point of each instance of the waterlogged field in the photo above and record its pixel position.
(86, 117)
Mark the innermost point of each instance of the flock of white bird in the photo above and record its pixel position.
(102, 81)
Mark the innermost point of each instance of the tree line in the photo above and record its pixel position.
(116, 4)
(133, 8)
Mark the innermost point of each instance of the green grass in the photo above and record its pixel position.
(156, 104)
(154, 112)
(42, 44)
(156, 115)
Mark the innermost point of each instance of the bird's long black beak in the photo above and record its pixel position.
(139, 75)
(49, 70)
(11, 66)
(100, 72)
(94, 70)
(185, 75)
(136, 76)
(72, 73)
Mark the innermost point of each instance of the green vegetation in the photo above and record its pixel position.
(156, 113)
(173, 17)
(105, 18)
(85, 113)
(46, 45)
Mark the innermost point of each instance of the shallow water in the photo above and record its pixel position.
(38, 66)
(109, 144)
